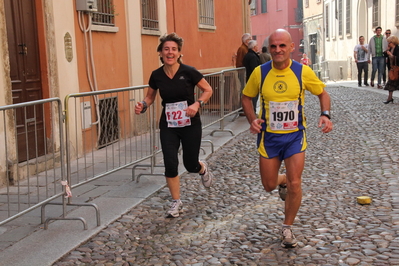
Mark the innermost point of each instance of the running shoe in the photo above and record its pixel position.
(282, 191)
(175, 209)
(206, 177)
(289, 240)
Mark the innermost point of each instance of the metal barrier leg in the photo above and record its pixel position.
(144, 165)
(222, 130)
(209, 141)
(65, 218)
(236, 115)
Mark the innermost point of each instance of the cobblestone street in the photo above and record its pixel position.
(237, 223)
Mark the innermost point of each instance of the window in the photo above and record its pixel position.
(149, 15)
(105, 14)
(348, 17)
(299, 12)
(306, 3)
(206, 12)
(397, 13)
(263, 7)
(375, 14)
(253, 7)
(277, 6)
(340, 24)
(327, 22)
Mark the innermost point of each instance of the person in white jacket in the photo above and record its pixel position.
(360, 53)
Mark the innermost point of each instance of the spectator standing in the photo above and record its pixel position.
(243, 49)
(264, 56)
(180, 120)
(360, 53)
(281, 124)
(377, 46)
(393, 60)
(251, 60)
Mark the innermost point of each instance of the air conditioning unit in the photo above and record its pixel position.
(86, 5)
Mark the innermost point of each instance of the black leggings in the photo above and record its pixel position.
(190, 138)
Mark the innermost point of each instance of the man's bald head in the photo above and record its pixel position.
(280, 48)
(280, 32)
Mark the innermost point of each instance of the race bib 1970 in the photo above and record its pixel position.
(283, 115)
(175, 116)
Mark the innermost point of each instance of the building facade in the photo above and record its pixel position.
(339, 26)
(267, 16)
(55, 48)
(313, 41)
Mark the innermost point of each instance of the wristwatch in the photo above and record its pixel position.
(326, 113)
(201, 103)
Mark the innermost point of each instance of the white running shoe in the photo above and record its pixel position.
(207, 176)
(289, 240)
(175, 209)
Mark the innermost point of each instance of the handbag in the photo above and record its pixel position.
(393, 73)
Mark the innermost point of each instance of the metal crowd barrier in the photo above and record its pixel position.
(225, 101)
(33, 154)
(103, 135)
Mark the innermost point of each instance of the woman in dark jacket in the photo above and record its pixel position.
(393, 59)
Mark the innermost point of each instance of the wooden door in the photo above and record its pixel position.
(25, 76)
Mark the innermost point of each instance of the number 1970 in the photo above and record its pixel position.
(283, 116)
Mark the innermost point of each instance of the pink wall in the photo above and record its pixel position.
(280, 14)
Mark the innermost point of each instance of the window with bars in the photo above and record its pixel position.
(263, 7)
(149, 14)
(206, 12)
(327, 22)
(375, 14)
(253, 7)
(340, 23)
(348, 17)
(105, 14)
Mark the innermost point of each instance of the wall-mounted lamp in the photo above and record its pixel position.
(313, 42)
(301, 45)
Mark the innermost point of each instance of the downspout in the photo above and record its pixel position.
(323, 65)
(174, 17)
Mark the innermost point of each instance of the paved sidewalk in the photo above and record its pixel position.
(24, 241)
(117, 195)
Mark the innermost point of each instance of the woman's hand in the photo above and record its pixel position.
(192, 110)
(138, 108)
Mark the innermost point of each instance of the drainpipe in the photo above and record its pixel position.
(324, 45)
(174, 17)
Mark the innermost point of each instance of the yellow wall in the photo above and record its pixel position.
(109, 51)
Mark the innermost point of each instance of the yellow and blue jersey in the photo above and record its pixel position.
(286, 88)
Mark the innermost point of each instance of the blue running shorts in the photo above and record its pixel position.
(271, 145)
